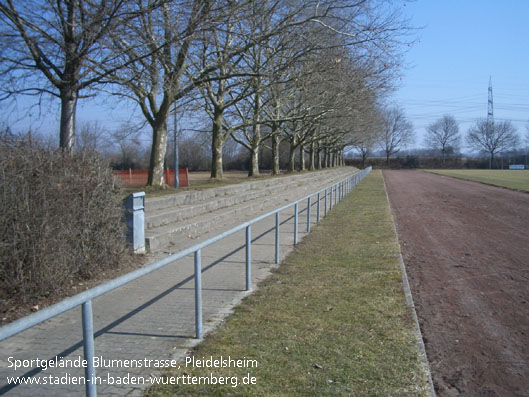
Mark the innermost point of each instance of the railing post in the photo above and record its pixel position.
(330, 199)
(318, 209)
(295, 223)
(135, 219)
(198, 295)
(326, 194)
(308, 215)
(248, 258)
(277, 237)
(89, 350)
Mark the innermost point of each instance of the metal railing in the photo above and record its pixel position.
(334, 192)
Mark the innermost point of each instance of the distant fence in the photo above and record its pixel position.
(138, 178)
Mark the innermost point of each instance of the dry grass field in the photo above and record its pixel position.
(511, 179)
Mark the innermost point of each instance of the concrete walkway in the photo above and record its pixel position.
(153, 317)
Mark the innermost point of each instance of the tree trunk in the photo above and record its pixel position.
(67, 129)
(291, 158)
(254, 152)
(275, 154)
(312, 166)
(387, 159)
(256, 132)
(254, 161)
(216, 146)
(302, 166)
(159, 147)
(318, 157)
(491, 160)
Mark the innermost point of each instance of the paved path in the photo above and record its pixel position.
(151, 318)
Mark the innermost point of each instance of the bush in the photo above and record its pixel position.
(61, 218)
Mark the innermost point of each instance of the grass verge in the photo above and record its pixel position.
(332, 320)
(511, 179)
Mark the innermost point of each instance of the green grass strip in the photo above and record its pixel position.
(332, 320)
(511, 179)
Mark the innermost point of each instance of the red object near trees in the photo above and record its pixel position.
(138, 178)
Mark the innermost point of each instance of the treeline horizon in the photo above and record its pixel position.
(313, 75)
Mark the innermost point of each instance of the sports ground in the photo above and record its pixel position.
(466, 249)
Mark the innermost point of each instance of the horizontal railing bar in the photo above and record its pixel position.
(54, 310)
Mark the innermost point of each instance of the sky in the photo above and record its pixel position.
(460, 46)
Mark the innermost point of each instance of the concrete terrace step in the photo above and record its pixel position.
(193, 197)
(218, 199)
(230, 210)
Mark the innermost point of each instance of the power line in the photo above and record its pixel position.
(490, 106)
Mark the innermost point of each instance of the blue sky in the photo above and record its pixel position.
(462, 44)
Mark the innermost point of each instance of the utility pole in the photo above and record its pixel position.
(176, 182)
(490, 109)
(490, 116)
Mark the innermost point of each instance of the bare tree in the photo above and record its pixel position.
(157, 48)
(366, 141)
(527, 134)
(526, 143)
(396, 132)
(220, 94)
(51, 47)
(123, 146)
(492, 137)
(443, 135)
(230, 82)
(90, 137)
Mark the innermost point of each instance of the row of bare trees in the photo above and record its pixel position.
(389, 132)
(393, 132)
(311, 73)
(485, 136)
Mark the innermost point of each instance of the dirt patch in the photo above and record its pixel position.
(466, 250)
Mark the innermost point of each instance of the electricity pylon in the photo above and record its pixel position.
(490, 110)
